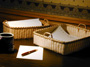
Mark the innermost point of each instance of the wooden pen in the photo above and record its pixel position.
(28, 52)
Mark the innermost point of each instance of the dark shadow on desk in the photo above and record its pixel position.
(5, 52)
(84, 53)
(77, 59)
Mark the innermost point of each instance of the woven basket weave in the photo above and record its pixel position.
(62, 47)
(24, 32)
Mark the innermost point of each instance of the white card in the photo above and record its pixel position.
(37, 55)
(25, 23)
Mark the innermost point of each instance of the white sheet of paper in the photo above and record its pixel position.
(60, 34)
(25, 23)
(38, 55)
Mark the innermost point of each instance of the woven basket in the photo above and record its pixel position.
(64, 48)
(24, 32)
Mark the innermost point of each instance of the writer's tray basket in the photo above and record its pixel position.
(24, 32)
(62, 47)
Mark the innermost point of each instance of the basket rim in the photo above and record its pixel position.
(4, 23)
(63, 42)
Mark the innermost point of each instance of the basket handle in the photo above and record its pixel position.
(83, 25)
(48, 33)
(5, 23)
(46, 22)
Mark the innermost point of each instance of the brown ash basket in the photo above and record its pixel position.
(64, 48)
(24, 32)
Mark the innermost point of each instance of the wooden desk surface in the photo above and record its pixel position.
(50, 58)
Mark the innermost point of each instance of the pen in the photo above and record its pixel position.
(28, 52)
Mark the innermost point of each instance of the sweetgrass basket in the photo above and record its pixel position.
(41, 38)
(24, 32)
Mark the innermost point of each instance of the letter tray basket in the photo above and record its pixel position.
(42, 38)
(24, 32)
